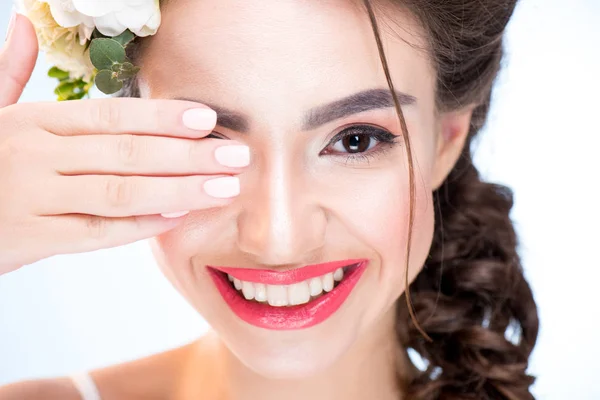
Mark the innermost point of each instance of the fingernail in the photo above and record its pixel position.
(200, 119)
(223, 188)
(235, 156)
(175, 214)
(11, 24)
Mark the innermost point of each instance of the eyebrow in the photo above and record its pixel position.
(366, 100)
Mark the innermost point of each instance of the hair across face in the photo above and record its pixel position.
(471, 297)
(286, 69)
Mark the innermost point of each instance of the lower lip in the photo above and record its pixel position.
(302, 316)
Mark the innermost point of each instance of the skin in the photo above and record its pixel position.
(273, 61)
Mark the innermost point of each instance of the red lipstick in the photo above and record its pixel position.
(288, 317)
(270, 277)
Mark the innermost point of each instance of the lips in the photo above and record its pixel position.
(270, 277)
(289, 317)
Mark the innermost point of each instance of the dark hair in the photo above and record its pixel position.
(471, 293)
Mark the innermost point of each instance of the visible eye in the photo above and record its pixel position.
(359, 140)
(215, 135)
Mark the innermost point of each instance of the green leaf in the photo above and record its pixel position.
(97, 34)
(106, 52)
(64, 89)
(77, 96)
(71, 89)
(58, 74)
(127, 71)
(125, 37)
(107, 82)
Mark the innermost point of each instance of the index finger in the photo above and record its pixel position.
(176, 118)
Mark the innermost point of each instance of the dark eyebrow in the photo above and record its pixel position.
(362, 101)
(226, 118)
(359, 102)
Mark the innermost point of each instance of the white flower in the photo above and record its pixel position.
(64, 27)
(64, 46)
(110, 17)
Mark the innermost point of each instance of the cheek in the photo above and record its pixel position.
(175, 250)
(388, 224)
(388, 228)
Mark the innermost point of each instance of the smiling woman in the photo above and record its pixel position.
(312, 246)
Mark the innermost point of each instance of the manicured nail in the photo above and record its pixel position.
(11, 24)
(223, 188)
(200, 119)
(235, 156)
(175, 214)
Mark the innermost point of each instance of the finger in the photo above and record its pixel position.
(17, 60)
(175, 118)
(118, 196)
(83, 233)
(147, 155)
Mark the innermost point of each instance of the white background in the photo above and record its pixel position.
(78, 312)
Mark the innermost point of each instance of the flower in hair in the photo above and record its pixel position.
(86, 40)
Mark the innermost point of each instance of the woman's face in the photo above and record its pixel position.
(301, 74)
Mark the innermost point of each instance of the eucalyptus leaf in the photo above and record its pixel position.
(127, 71)
(107, 83)
(125, 37)
(96, 34)
(106, 52)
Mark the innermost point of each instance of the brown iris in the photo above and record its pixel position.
(356, 143)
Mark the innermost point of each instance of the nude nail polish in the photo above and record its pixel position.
(200, 119)
(223, 188)
(235, 156)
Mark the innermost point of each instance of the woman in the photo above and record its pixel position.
(315, 198)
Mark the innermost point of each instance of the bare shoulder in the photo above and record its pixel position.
(153, 377)
(47, 389)
(182, 373)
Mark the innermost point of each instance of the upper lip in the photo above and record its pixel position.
(288, 277)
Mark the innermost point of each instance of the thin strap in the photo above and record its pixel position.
(86, 386)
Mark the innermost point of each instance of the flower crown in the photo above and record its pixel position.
(86, 40)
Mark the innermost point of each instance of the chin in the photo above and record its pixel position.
(301, 356)
(304, 338)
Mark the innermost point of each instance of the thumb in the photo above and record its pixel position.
(17, 60)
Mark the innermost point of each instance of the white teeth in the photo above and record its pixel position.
(316, 286)
(237, 283)
(328, 282)
(338, 275)
(277, 295)
(298, 293)
(288, 295)
(260, 292)
(248, 290)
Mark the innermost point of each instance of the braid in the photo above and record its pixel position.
(471, 294)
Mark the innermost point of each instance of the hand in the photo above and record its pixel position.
(85, 175)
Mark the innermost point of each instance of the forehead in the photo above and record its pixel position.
(275, 52)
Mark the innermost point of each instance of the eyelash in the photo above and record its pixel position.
(385, 141)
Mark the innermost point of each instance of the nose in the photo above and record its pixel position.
(282, 221)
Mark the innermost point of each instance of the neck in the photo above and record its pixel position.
(370, 369)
